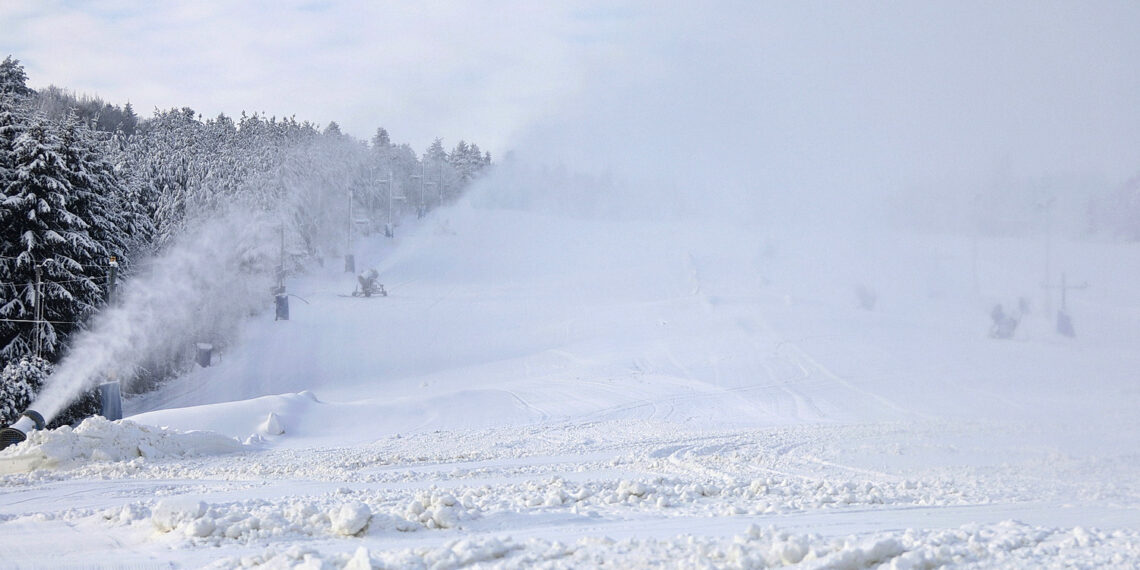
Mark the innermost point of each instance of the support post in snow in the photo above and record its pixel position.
(39, 312)
(388, 231)
(1064, 321)
(281, 261)
(204, 354)
(349, 260)
(111, 400)
(112, 274)
(282, 302)
(421, 209)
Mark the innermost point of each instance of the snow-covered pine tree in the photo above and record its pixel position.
(467, 160)
(435, 152)
(46, 219)
(460, 160)
(163, 164)
(130, 120)
(13, 80)
(381, 140)
(404, 163)
(100, 196)
(20, 381)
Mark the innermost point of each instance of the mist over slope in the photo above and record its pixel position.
(511, 308)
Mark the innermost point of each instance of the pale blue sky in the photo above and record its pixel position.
(812, 93)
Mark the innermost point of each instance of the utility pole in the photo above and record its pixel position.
(388, 229)
(1064, 321)
(280, 297)
(39, 311)
(1048, 206)
(281, 263)
(441, 184)
(349, 260)
(112, 273)
(422, 175)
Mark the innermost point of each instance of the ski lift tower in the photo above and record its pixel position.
(420, 209)
(389, 231)
(1064, 321)
(441, 184)
(1046, 205)
(349, 259)
(422, 176)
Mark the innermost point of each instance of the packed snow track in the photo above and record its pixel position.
(545, 391)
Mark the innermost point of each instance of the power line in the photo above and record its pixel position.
(93, 279)
(96, 265)
(35, 321)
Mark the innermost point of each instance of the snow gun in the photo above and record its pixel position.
(18, 431)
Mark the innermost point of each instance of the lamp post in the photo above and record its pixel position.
(349, 259)
(39, 311)
(389, 231)
(1064, 321)
(1047, 206)
(112, 273)
(420, 210)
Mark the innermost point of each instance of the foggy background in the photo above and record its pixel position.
(821, 122)
(841, 110)
(853, 96)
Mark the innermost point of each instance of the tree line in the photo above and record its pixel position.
(83, 181)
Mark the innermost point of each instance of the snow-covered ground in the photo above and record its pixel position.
(552, 391)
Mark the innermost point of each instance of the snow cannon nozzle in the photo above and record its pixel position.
(18, 431)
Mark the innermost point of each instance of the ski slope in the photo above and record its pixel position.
(550, 390)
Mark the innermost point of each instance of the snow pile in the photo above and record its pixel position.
(436, 509)
(997, 545)
(195, 523)
(198, 523)
(704, 497)
(350, 518)
(99, 439)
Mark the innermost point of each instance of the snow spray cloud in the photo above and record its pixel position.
(801, 113)
(827, 130)
(210, 280)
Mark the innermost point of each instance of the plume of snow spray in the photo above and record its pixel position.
(210, 280)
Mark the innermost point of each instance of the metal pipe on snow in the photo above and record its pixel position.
(18, 431)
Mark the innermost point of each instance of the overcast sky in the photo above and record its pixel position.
(815, 93)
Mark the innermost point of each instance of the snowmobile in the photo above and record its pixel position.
(367, 285)
(1004, 324)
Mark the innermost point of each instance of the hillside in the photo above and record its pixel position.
(544, 389)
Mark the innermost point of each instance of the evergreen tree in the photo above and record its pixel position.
(380, 140)
(20, 381)
(164, 165)
(435, 152)
(13, 80)
(130, 120)
(467, 160)
(114, 222)
(47, 217)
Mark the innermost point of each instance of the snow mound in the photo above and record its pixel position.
(271, 425)
(99, 439)
(186, 521)
(1005, 544)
